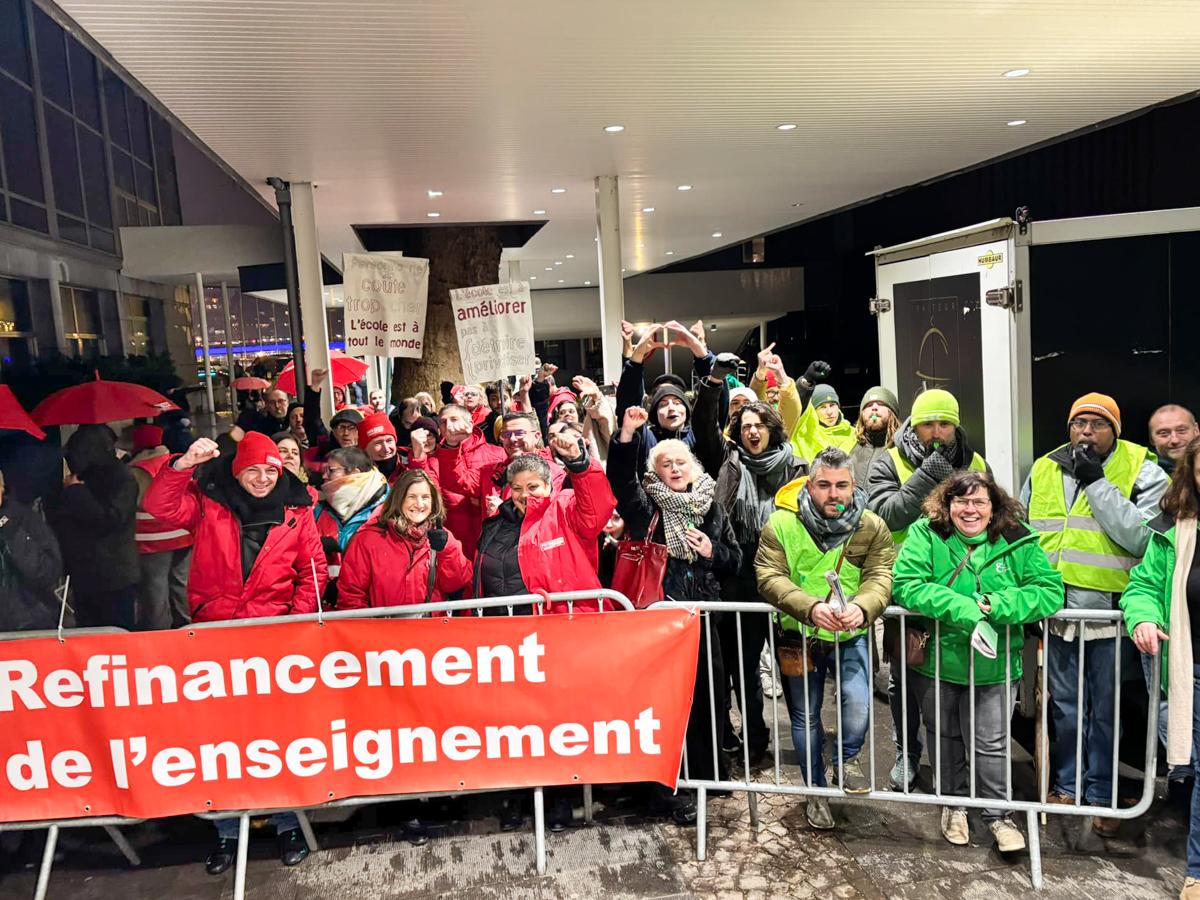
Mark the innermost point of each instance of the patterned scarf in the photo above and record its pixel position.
(681, 510)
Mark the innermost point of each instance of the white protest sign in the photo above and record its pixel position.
(495, 331)
(386, 296)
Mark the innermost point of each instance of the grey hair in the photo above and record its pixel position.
(831, 458)
(528, 462)
(351, 459)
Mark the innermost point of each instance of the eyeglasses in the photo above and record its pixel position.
(970, 503)
(513, 435)
(1094, 424)
(335, 472)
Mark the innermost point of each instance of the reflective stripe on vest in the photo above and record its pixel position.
(904, 472)
(1074, 542)
(807, 565)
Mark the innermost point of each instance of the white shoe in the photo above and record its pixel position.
(954, 826)
(1008, 837)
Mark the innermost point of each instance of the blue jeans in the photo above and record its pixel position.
(283, 822)
(1099, 716)
(808, 734)
(1193, 848)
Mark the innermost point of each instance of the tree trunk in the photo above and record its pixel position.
(459, 257)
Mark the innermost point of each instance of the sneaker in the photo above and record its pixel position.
(1106, 827)
(854, 780)
(511, 817)
(415, 832)
(558, 817)
(222, 856)
(818, 813)
(954, 826)
(293, 849)
(1191, 889)
(1060, 798)
(904, 773)
(1008, 837)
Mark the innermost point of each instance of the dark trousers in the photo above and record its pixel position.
(708, 708)
(99, 609)
(753, 638)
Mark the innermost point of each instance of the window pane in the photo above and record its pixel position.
(164, 162)
(114, 103)
(95, 178)
(14, 352)
(64, 162)
(139, 129)
(122, 170)
(14, 57)
(143, 177)
(14, 306)
(52, 59)
(3, 210)
(83, 81)
(72, 230)
(18, 128)
(87, 311)
(103, 240)
(28, 216)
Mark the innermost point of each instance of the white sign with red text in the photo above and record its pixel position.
(495, 331)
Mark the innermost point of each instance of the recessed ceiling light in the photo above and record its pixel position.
(549, 269)
(647, 209)
(670, 253)
(533, 278)
(717, 234)
(433, 215)
(614, 129)
(1016, 122)
(570, 256)
(587, 282)
(561, 281)
(558, 190)
(433, 194)
(786, 126)
(798, 204)
(684, 187)
(641, 246)
(622, 271)
(539, 212)
(1016, 73)
(558, 262)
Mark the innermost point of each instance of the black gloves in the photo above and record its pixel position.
(446, 387)
(817, 371)
(330, 545)
(1089, 468)
(726, 364)
(438, 538)
(936, 466)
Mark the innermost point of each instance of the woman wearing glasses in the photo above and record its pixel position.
(976, 571)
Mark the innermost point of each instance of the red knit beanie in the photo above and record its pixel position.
(146, 437)
(256, 449)
(374, 426)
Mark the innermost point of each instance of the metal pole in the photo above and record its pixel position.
(43, 881)
(208, 391)
(229, 347)
(612, 289)
(283, 199)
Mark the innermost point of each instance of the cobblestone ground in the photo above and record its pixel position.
(877, 850)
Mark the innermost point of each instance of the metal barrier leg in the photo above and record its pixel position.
(43, 881)
(752, 797)
(701, 824)
(1035, 849)
(306, 829)
(539, 829)
(588, 811)
(239, 870)
(123, 845)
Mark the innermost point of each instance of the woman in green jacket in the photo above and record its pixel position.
(1162, 610)
(974, 567)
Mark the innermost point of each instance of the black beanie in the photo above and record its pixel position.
(664, 391)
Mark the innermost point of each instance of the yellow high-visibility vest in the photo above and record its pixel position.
(904, 472)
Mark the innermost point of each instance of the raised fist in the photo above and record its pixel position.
(201, 451)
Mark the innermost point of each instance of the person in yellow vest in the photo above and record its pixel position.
(1088, 500)
(927, 448)
(823, 526)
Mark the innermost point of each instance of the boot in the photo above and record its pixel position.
(293, 849)
(221, 857)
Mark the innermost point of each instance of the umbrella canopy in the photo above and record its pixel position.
(98, 402)
(14, 417)
(346, 370)
(250, 383)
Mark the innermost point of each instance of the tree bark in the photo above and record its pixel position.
(459, 257)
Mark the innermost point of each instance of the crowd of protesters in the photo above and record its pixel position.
(763, 491)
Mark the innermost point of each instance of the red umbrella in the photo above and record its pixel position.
(14, 417)
(250, 383)
(97, 402)
(346, 370)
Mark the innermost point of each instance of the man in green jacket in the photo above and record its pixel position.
(822, 526)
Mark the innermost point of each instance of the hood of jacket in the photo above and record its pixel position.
(90, 447)
(660, 394)
(915, 452)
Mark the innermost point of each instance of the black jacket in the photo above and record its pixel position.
(94, 521)
(683, 580)
(30, 569)
(497, 569)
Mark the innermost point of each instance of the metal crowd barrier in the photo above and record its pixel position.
(419, 610)
(1032, 809)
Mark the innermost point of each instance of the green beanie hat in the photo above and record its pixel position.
(935, 406)
(822, 394)
(880, 394)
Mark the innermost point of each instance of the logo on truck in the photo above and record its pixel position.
(990, 259)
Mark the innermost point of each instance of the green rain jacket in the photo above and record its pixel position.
(1148, 595)
(1012, 573)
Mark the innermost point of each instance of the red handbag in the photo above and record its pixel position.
(640, 569)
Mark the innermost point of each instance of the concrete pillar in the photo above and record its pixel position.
(312, 303)
(612, 290)
(56, 311)
(510, 270)
(208, 387)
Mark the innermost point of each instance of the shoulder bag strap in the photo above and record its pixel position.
(961, 565)
(432, 574)
(653, 525)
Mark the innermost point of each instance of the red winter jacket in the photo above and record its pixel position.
(383, 569)
(281, 581)
(489, 480)
(463, 516)
(559, 549)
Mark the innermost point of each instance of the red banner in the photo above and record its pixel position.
(296, 714)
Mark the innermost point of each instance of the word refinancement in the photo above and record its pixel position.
(107, 681)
